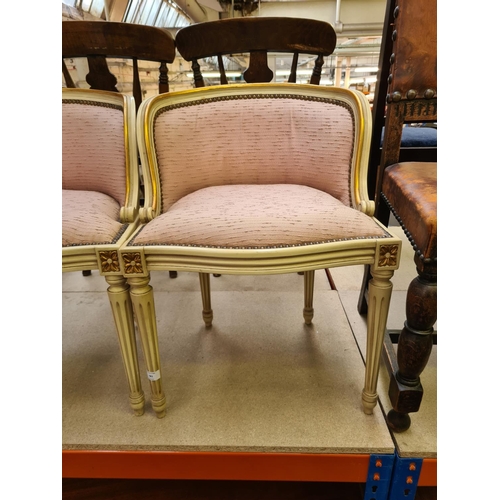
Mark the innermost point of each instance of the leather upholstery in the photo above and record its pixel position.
(411, 188)
(414, 51)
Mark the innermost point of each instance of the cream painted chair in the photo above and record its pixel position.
(257, 179)
(101, 43)
(100, 202)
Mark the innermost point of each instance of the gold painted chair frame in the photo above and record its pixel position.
(381, 253)
(104, 257)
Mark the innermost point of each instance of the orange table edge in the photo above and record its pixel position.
(215, 465)
(125, 464)
(428, 474)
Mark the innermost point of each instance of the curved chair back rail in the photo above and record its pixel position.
(258, 134)
(98, 40)
(257, 36)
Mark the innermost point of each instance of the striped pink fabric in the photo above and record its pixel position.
(93, 149)
(89, 217)
(254, 141)
(257, 216)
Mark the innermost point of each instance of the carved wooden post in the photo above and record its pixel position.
(208, 314)
(258, 70)
(136, 83)
(308, 297)
(222, 71)
(293, 70)
(316, 74)
(119, 298)
(67, 77)
(198, 79)
(379, 296)
(99, 77)
(163, 78)
(141, 294)
(414, 346)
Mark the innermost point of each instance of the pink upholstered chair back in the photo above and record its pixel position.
(243, 138)
(93, 148)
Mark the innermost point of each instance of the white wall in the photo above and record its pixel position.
(351, 11)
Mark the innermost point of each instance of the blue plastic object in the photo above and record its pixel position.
(379, 477)
(405, 477)
(416, 137)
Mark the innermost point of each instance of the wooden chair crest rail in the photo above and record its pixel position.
(100, 202)
(257, 36)
(409, 190)
(100, 40)
(298, 202)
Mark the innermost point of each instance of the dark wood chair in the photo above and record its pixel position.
(410, 149)
(406, 185)
(98, 41)
(256, 36)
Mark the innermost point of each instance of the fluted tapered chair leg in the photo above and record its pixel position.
(379, 297)
(141, 294)
(308, 296)
(208, 314)
(121, 305)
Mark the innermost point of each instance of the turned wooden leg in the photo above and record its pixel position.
(308, 296)
(208, 314)
(141, 294)
(362, 299)
(414, 346)
(379, 297)
(119, 298)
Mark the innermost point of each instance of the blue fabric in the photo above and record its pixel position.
(417, 137)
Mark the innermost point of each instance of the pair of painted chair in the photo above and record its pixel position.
(255, 178)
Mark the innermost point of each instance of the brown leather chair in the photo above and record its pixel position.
(256, 36)
(409, 190)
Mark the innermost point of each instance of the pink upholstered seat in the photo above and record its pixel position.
(257, 216)
(89, 218)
